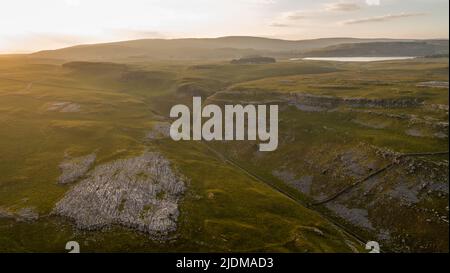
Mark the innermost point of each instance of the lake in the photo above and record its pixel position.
(354, 59)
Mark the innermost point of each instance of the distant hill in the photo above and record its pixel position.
(226, 48)
(383, 49)
(254, 60)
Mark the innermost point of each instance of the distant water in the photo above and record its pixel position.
(354, 59)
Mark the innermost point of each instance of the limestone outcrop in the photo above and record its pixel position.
(141, 193)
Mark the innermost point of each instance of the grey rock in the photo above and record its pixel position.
(74, 168)
(159, 131)
(4, 213)
(330, 102)
(303, 184)
(404, 193)
(64, 107)
(414, 132)
(24, 214)
(141, 193)
(27, 214)
(435, 84)
(356, 216)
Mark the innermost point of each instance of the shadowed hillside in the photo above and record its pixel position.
(383, 49)
(192, 49)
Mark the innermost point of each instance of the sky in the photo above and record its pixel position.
(27, 25)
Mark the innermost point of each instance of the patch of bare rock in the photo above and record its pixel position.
(435, 84)
(309, 102)
(74, 168)
(64, 107)
(356, 216)
(140, 193)
(302, 183)
(159, 131)
(27, 214)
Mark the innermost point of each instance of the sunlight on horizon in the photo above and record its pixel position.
(28, 26)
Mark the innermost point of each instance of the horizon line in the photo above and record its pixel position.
(217, 37)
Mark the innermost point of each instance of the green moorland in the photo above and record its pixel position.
(235, 198)
(359, 119)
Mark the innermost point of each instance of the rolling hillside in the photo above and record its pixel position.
(215, 48)
(383, 49)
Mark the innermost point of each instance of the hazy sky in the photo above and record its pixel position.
(27, 25)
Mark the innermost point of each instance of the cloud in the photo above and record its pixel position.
(135, 33)
(295, 15)
(341, 6)
(262, 2)
(279, 25)
(286, 17)
(383, 18)
(292, 18)
(373, 2)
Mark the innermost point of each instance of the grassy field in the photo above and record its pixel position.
(114, 106)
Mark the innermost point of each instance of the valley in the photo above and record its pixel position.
(86, 155)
